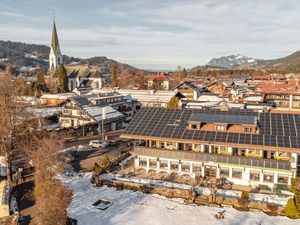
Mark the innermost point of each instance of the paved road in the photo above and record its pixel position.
(89, 156)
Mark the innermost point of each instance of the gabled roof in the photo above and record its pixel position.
(80, 100)
(54, 41)
(159, 77)
(77, 71)
(96, 112)
(197, 88)
(94, 74)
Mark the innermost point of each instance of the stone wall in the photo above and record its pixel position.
(190, 196)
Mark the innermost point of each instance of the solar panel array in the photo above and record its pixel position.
(221, 118)
(278, 130)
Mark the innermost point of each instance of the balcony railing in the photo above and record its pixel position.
(206, 157)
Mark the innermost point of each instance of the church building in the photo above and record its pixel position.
(80, 77)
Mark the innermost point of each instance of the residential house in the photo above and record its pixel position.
(190, 90)
(150, 98)
(160, 81)
(79, 112)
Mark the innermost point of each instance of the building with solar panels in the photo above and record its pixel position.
(259, 150)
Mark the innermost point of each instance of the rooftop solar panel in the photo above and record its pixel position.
(220, 118)
(156, 123)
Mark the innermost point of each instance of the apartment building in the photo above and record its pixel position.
(261, 150)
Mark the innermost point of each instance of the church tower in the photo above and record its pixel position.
(55, 56)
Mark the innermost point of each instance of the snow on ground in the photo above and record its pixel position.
(229, 193)
(136, 208)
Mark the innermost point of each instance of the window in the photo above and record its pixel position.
(162, 144)
(237, 173)
(248, 130)
(254, 175)
(185, 167)
(197, 168)
(194, 126)
(206, 148)
(170, 145)
(243, 151)
(174, 165)
(164, 164)
(153, 163)
(224, 172)
(143, 162)
(283, 179)
(220, 128)
(269, 177)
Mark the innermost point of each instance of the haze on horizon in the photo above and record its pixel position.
(155, 34)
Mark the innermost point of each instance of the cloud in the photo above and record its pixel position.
(164, 33)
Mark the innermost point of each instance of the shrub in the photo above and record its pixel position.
(105, 163)
(291, 209)
(245, 195)
(96, 169)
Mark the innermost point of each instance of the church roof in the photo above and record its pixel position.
(54, 41)
(77, 71)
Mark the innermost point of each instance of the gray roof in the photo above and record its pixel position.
(80, 100)
(221, 118)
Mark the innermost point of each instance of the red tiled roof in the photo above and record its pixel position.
(290, 87)
(159, 76)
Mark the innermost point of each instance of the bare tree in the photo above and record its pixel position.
(13, 118)
(124, 78)
(51, 197)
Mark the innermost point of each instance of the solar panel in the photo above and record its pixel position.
(226, 119)
(280, 130)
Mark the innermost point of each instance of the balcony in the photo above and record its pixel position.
(206, 157)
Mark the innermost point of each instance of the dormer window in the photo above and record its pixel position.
(248, 130)
(221, 128)
(194, 126)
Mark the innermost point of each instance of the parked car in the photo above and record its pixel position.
(95, 144)
(101, 144)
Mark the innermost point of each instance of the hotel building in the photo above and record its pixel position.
(249, 148)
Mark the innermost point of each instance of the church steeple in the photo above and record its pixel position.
(55, 57)
(54, 42)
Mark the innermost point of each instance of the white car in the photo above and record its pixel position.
(99, 144)
(95, 144)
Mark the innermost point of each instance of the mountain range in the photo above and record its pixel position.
(20, 54)
(238, 61)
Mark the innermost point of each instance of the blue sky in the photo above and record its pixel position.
(156, 34)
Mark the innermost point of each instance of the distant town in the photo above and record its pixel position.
(225, 135)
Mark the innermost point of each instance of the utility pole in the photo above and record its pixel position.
(103, 118)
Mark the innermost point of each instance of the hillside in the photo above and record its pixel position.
(20, 54)
(230, 61)
(290, 63)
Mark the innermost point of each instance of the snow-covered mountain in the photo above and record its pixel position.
(231, 61)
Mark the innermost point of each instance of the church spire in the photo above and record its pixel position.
(54, 42)
(55, 56)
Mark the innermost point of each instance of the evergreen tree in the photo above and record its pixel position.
(105, 163)
(184, 73)
(173, 103)
(40, 78)
(114, 82)
(62, 79)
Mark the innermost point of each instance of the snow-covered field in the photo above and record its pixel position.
(136, 208)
